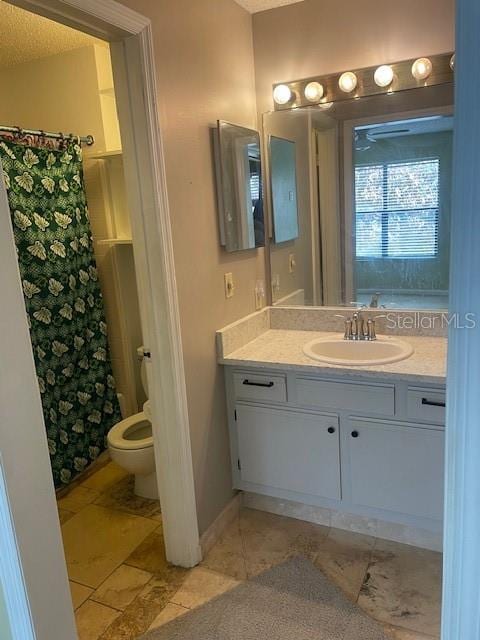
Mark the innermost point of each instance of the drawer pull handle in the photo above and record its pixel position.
(259, 384)
(432, 403)
(354, 434)
(331, 429)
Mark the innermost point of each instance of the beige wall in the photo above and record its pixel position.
(46, 94)
(204, 61)
(323, 36)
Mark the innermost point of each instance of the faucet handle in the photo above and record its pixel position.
(348, 326)
(371, 333)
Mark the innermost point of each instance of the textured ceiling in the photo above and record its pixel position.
(26, 36)
(254, 6)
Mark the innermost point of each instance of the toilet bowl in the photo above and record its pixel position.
(130, 444)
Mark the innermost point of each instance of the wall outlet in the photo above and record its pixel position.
(259, 294)
(229, 286)
(291, 263)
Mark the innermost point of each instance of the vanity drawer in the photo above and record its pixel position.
(255, 386)
(427, 405)
(374, 399)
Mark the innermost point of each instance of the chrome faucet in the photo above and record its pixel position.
(357, 328)
(374, 301)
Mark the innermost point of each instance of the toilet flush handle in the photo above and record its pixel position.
(144, 353)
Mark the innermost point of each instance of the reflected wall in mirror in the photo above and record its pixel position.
(283, 179)
(373, 192)
(239, 187)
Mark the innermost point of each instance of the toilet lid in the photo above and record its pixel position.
(134, 432)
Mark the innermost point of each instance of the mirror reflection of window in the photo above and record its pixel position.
(402, 183)
(255, 194)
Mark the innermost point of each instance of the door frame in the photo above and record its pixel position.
(131, 40)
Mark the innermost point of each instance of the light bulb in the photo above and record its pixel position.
(421, 69)
(383, 76)
(282, 94)
(452, 62)
(325, 105)
(347, 81)
(313, 91)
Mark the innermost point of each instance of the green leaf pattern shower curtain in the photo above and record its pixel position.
(63, 301)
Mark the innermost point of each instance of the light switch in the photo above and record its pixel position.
(291, 263)
(229, 286)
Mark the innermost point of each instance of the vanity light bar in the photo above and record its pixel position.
(369, 81)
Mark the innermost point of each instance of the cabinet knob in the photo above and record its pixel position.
(354, 434)
(331, 429)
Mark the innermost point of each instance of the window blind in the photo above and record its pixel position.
(255, 186)
(396, 205)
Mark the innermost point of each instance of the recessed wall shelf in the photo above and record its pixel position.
(115, 241)
(104, 155)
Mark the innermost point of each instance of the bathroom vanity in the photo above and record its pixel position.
(365, 441)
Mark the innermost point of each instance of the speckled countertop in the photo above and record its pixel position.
(283, 349)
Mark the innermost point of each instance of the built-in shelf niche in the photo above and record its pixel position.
(115, 241)
(118, 225)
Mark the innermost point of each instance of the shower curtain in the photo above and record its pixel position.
(63, 300)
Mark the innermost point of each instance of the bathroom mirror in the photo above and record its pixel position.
(283, 184)
(373, 189)
(239, 187)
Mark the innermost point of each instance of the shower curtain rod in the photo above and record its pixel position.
(88, 140)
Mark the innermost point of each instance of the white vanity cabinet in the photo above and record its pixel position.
(370, 448)
(395, 467)
(290, 450)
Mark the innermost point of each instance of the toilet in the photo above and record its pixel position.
(130, 444)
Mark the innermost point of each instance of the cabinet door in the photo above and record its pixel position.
(396, 467)
(290, 450)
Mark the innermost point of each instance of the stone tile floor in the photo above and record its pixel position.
(122, 585)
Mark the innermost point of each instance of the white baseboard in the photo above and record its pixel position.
(218, 526)
(404, 534)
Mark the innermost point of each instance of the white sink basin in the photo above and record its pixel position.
(336, 350)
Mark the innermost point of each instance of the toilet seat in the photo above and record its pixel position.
(123, 434)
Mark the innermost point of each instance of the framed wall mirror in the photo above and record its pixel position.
(373, 196)
(238, 170)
